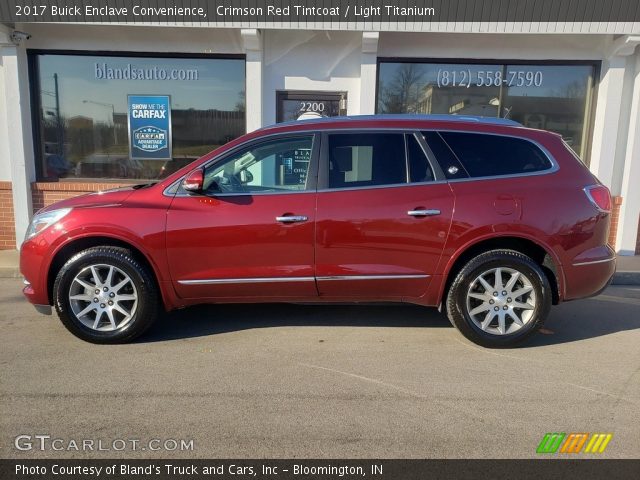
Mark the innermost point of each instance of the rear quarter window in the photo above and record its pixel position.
(484, 155)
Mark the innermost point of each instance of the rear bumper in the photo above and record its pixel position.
(590, 273)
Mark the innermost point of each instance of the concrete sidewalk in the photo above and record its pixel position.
(628, 271)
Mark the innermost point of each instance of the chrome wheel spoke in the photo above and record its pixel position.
(82, 297)
(522, 291)
(487, 320)
(482, 308)
(512, 281)
(121, 310)
(516, 319)
(112, 319)
(125, 298)
(107, 282)
(501, 323)
(479, 296)
(485, 284)
(96, 277)
(84, 284)
(86, 310)
(117, 287)
(498, 281)
(97, 320)
(524, 306)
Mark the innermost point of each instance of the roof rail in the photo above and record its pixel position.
(411, 116)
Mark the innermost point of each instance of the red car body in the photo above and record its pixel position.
(349, 233)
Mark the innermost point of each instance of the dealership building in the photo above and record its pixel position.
(65, 90)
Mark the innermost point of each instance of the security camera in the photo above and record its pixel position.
(17, 37)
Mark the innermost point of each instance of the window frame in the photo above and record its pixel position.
(323, 173)
(595, 64)
(175, 190)
(36, 106)
(230, 156)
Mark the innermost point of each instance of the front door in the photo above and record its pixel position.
(298, 105)
(382, 217)
(251, 232)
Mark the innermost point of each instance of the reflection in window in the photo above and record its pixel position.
(277, 166)
(83, 112)
(551, 97)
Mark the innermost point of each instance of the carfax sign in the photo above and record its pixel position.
(149, 127)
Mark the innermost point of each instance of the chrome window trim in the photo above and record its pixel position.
(408, 130)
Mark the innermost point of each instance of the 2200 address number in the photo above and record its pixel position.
(489, 78)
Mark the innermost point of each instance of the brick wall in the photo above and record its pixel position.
(46, 193)
(638, 239)
(7, 224)
(615, 217)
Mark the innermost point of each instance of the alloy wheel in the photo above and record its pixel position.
(501, 301)
(103, 297)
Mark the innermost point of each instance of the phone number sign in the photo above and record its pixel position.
(149, 118)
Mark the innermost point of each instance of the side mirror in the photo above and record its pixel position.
(194, 181)
(246, 176)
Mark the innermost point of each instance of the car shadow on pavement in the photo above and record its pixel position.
(568, 322)
(590, 318)
(205, 320)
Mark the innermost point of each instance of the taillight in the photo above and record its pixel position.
(600, 197)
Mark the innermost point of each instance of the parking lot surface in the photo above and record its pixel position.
(307, 381)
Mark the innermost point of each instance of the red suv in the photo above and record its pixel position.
(487, 220)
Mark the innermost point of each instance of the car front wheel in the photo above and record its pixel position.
(105, 295)
(499, 298)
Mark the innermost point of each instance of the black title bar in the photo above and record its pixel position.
(366, 11)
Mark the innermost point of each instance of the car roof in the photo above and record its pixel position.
(469, 119)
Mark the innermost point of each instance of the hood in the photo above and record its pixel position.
(95, 199)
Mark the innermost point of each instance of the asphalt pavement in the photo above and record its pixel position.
(303, 381)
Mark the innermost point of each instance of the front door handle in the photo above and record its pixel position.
(291, 218)
(423, 213)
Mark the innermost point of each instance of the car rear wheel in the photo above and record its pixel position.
(105, 295)
(499, 298)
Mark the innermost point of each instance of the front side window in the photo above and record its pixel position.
(495, 155)
(274, 166)
(366, 159)
(83, 112)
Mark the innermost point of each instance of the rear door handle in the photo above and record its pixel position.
(423, 213)
(291, 218)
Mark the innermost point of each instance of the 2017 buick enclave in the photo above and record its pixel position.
(486, 219)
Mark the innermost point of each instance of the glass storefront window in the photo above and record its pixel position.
(551, 97)
(83, 119)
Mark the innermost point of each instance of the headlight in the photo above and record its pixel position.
(45, 220)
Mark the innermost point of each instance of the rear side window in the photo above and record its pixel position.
(495, 155)
(366, 159)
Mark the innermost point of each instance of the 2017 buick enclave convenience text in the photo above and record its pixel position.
(487, 220)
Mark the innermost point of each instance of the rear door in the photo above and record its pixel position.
(383, 215)
(251, 233)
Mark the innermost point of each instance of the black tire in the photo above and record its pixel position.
(147, 306)
(457, 305)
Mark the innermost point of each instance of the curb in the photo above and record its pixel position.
(10, 272)
(626, 278)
